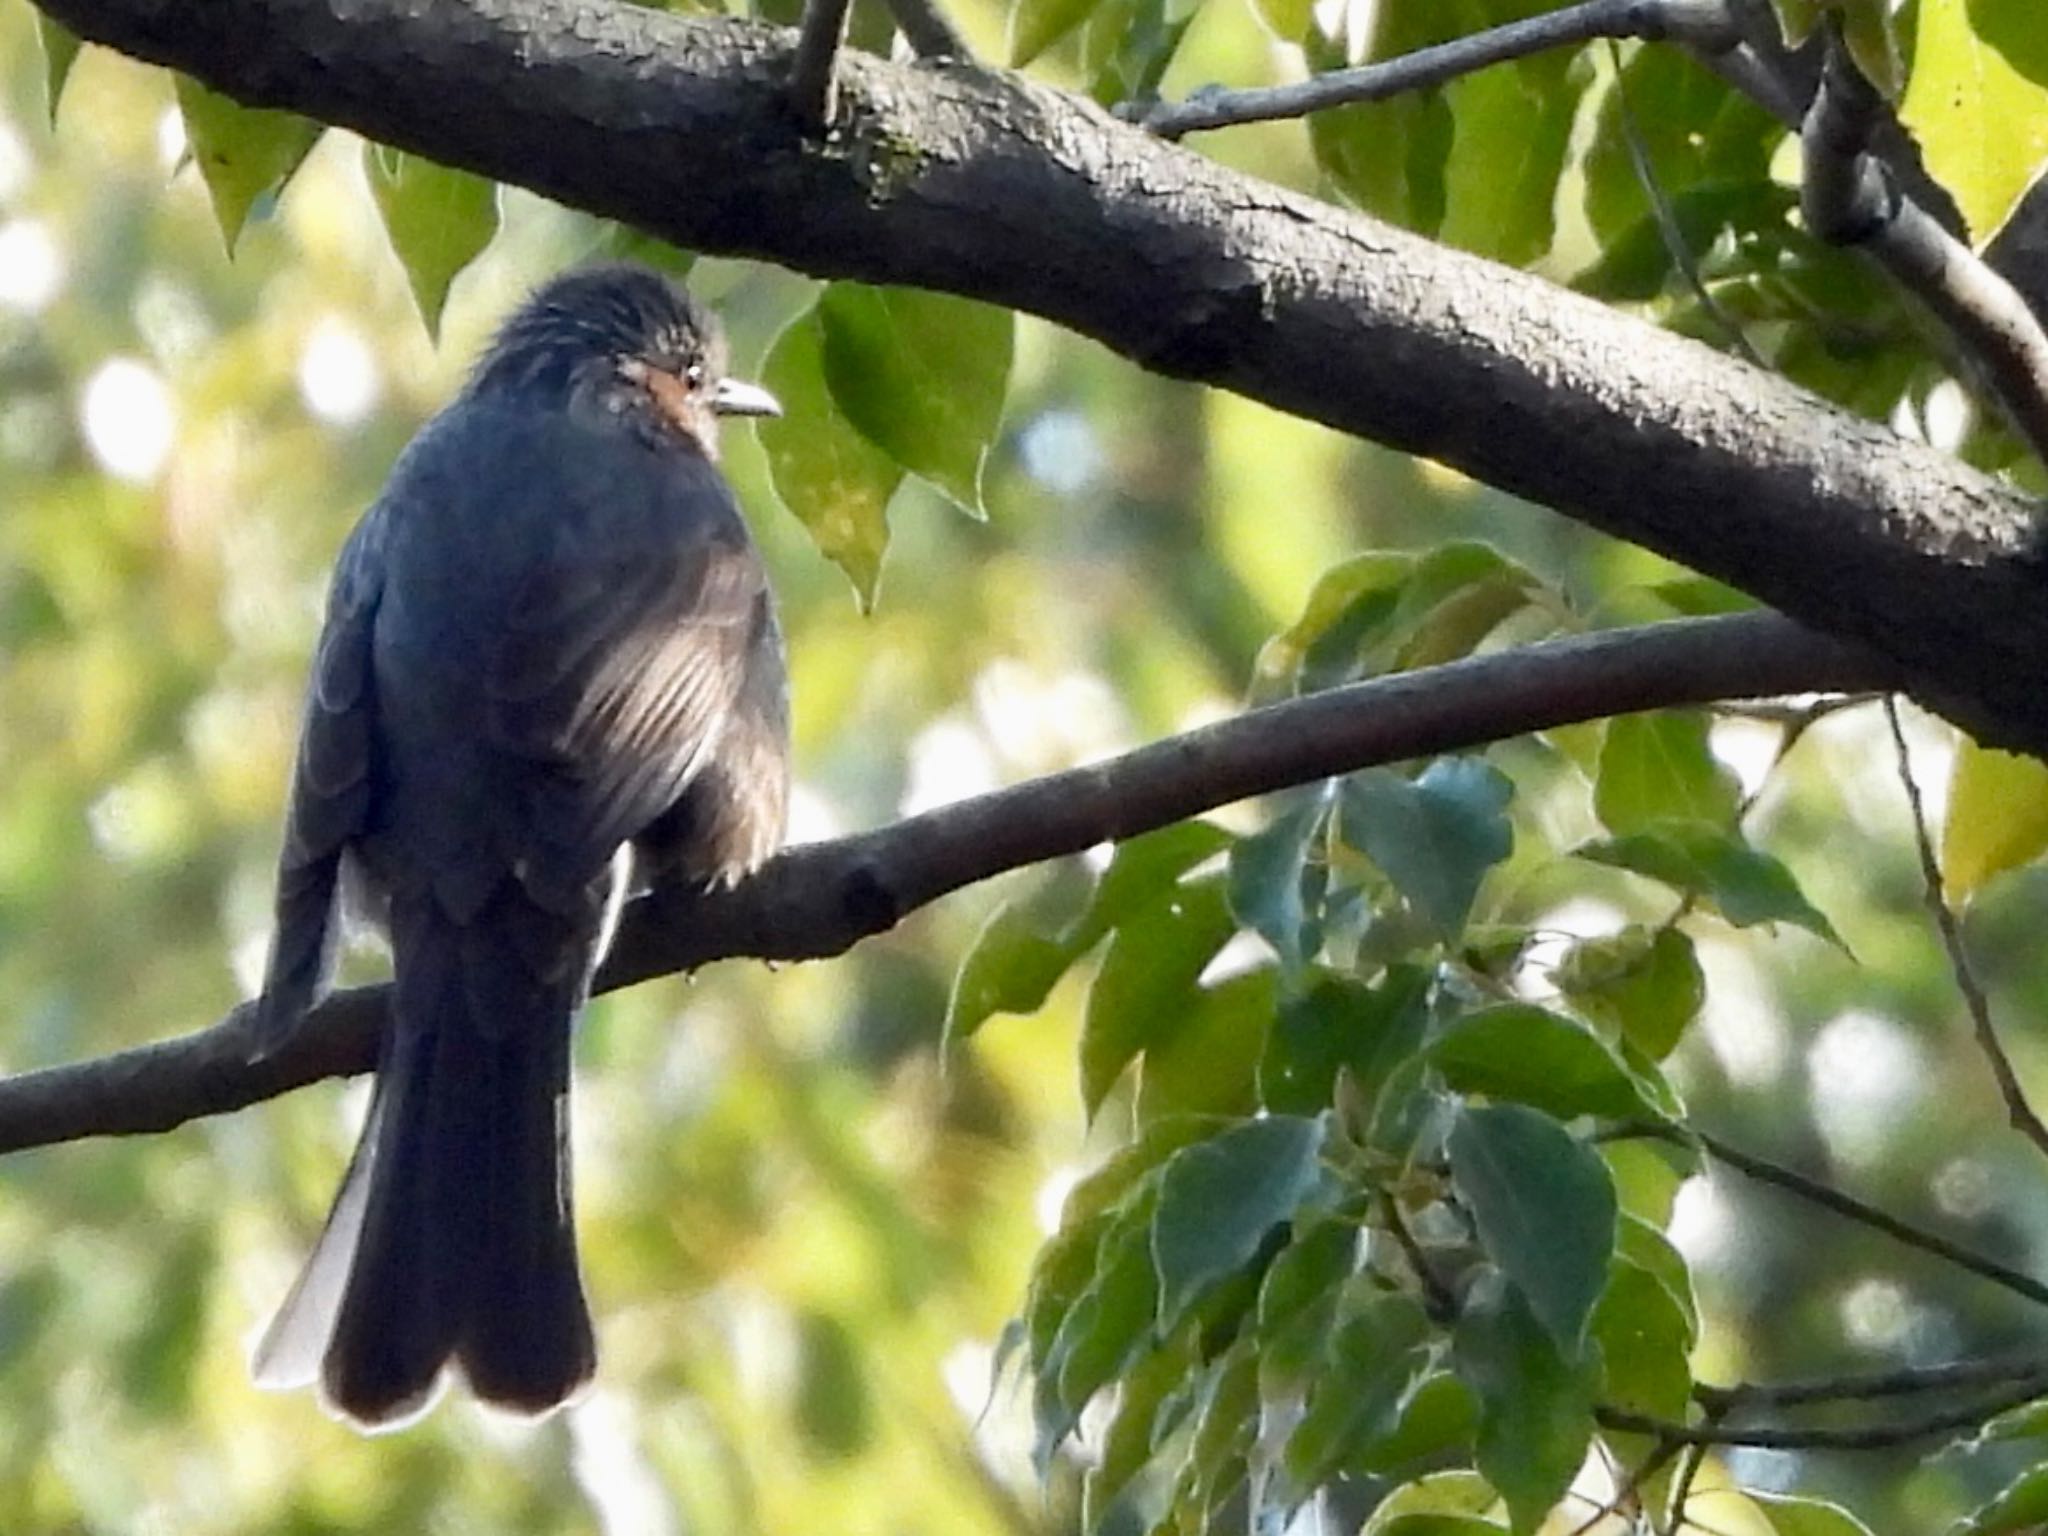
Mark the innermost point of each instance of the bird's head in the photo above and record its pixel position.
(623, 341)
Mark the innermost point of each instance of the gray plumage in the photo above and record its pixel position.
(549, 641)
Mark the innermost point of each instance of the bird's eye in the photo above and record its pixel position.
(694, 375)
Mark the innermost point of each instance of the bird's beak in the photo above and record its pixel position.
(736, 397)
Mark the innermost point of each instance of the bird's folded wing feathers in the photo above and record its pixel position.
(617, 677)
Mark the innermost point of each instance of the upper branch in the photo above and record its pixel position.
(819, 899)
(988, 185)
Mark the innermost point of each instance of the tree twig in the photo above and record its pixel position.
(1907, 1381)
(1846, 1437)
(931, 35)
(1816, 1192)
(1850, 196)
(819, 899)
(1701, 23)
(2019, 1113)
(813, 71)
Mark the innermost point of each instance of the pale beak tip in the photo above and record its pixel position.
(736, 397)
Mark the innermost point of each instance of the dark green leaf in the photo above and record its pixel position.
(1132, 1434)
(1107, 1326)
(1375, 1359)
(1745, 884)
(439, 220)
(1535, 1406)
(833, 1412)
(1346, 603)
(242, 152)
(1335, 1023)
(1127, 1168)
(1064, 1267)
(1024, 948)
(1545, 1210)
(1220, 1198)
(1434, 837)
(922, 375)
(1657, 768)
(1521, 1052)
(60, 52)
(1208, 1062)
(834, 480)
(1298, 1302)
(1644, 983)
(1267, 874)
(1143, 991)
(1436, 1425)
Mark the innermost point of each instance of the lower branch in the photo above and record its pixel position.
(819, 899)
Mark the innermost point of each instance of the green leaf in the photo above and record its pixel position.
(1643, 983)
(1646, 1247)
(834, 1413)
(1286, 20)
(1346, 603)
(1108, 1324)
(1145, 42)
(1806, 1517)
(1657, 768)
(242, 152)
(1063, 1269)
(1545, 1209)
(1208, 1062)
(1024, 947)
(1535, 1406)
(1434, 837)
(1744, 884)
(1646, 1176)
(2019, 1506)
(1521, 1052)
(1335, 1023)
(1131, 1436)
(1644, 1340)
(1977, 104)
(439, 220)
(1514, 127)
(1267, 874)
(1035, 25)
(1143, 990)
(1437, 1423)
(1697, 134)
(1435, 1525)
(1375, 1360)
(1997, 817)
(834, 480)
(922, 376)
(1298, 1303)
(60, 52)
(1454, 1495)
(1218, 1200)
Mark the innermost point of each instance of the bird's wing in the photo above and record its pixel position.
(330, 797)
(614, 679)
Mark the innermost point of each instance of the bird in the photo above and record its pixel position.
(550, 675)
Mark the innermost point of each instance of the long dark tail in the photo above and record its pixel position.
(453, 1238)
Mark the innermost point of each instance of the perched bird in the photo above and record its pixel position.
(550, 672)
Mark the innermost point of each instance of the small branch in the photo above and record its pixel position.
(1864, 1437)
(1701, 23)
(812, 85)
(1827, 1196)
(1907, 1381)
(931, 35)
(1850, 196)
(819, 899)
(2019, 1113)
(1437, 1300)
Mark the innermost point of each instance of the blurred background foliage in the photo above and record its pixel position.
(805, 1225)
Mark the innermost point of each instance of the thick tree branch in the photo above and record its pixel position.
(989, 185)
(819, 899)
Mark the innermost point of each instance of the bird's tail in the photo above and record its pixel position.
(452, 1238)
